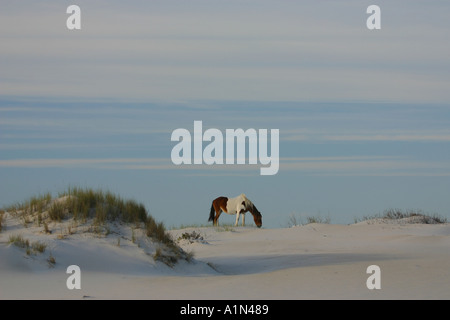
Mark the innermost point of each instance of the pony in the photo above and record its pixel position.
(238, 205)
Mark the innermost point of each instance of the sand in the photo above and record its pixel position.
(314, 261)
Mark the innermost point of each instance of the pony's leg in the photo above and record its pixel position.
(243, 219)
(216, 219)
(237, 219)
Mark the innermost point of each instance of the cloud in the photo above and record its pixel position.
(329, 165)
(398, 137)
(111, 163)
(234, 50)
(371, 137)
(365, 166)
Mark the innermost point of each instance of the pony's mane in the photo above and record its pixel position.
(247, 201)
(255, 210)
(250, 206)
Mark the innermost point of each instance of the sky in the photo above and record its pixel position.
(363, 114)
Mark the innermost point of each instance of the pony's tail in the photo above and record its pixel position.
(211, 213)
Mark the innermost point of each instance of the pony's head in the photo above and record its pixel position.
(256, 216)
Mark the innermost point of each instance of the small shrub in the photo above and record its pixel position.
(191, 237)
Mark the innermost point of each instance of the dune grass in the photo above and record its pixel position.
(294, 220)
(102, 206)
(30, 247)
(414, 216)
(97, 206)
(82, 204)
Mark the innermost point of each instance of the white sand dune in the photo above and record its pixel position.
(315, 261)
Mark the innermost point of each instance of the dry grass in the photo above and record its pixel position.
(2, 224)
(98, 207)
(30, 247)
(409, 216)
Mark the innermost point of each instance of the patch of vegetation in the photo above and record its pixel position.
(99, 207)
(409, 216)
(51, 260)
(171, 257)
(192, 236)
(168, 259)
(318, 220)
(294, 221)
(30, 247)
(80, 204)
(27, 209)
(57, 211)
(2, 224)
(225, 227)
(157, 231)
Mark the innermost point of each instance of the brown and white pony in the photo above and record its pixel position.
(239, 205)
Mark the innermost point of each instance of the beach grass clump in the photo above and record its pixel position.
(57, 211)
(294, 220)
(157, 231)
(30, 247)
(318, 219)
(190, 236)
(408, 216)
(101, 206)
(83, 204)
(98, 207)
(25, 210)
(168, 259)
(415, 216)
(19, 241)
